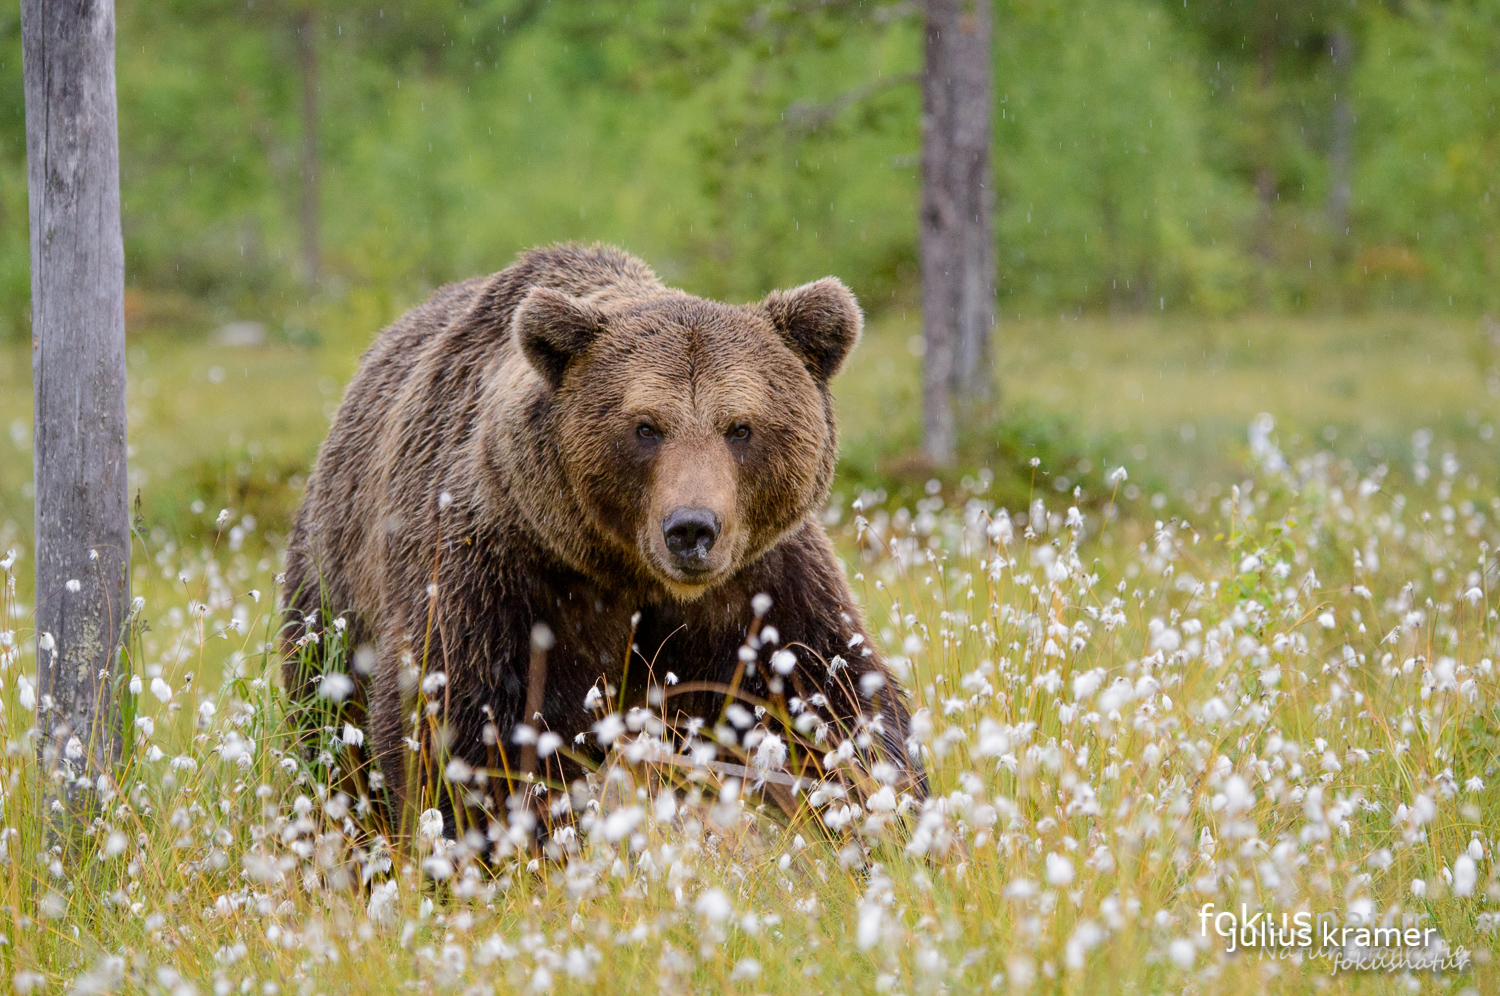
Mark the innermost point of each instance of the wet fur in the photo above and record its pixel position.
(516, 395)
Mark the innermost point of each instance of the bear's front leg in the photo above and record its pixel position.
(392, 697)
(817, 657)
(444, 706)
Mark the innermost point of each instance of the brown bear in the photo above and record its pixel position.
(571, 443)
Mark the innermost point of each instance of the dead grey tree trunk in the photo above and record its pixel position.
(307, 64)
(958, 202)
(1341, 141)
(78, 375)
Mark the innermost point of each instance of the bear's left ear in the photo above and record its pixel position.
(552, 328)
(820, 321)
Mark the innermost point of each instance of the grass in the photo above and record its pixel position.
(1283, 694)
(1170, 399)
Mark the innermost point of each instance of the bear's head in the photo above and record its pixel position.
(692, 435)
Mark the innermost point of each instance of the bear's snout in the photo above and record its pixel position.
(690, 533)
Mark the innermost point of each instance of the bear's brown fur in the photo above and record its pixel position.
(514, 451)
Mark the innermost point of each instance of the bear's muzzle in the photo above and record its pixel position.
(690, 534)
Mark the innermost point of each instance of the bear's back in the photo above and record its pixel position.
(405, 418)
(464, 326)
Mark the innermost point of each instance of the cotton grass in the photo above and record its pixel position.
(1286, 700)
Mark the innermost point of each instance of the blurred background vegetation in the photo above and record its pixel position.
(1170, 175)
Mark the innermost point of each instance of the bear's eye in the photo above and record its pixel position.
(739, 432)
(645, 431)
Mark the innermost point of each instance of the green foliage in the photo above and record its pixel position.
(15, 247)
(1024, 454)
(1427, 191)
(1105, 194)
(741, 145)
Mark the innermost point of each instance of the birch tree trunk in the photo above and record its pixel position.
(78, 374)
(958, 202)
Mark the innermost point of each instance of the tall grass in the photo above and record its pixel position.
(1285, 700)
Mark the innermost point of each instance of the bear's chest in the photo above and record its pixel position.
(591, 626)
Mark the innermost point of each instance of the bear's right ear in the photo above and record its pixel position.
(552, 328)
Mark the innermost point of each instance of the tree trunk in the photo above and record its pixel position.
(78, 371)
(957, 244)
(307, 63)
(1341, 141)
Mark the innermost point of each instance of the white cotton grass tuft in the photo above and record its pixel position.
(1465, 875)
(1237, 795)
(713, 905)
(770, 754)
(609, 729)
(382, 900)
(1059, 871)
(621, 823)
(336, 685)
(868, 928)
(430, 824)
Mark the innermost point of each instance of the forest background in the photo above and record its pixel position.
(274, 153)
(297, 172)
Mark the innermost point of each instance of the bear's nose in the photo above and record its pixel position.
(690, 533)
